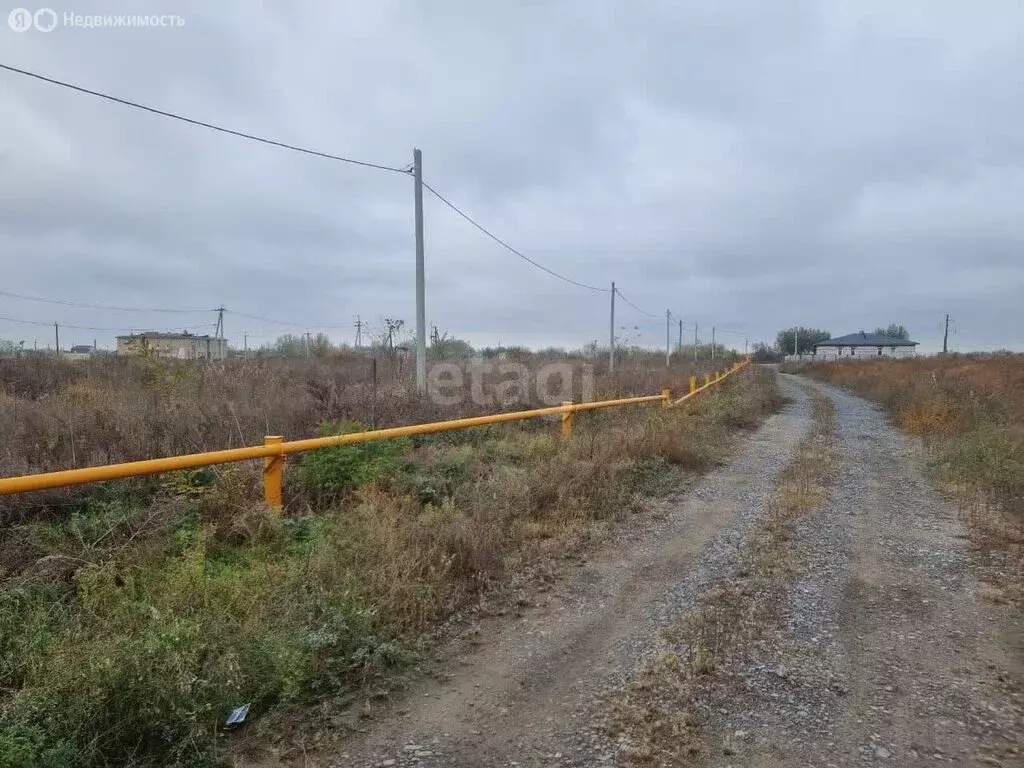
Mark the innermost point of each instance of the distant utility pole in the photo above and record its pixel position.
(359, 332)
(695, 342)
(245, 345)
(421, 312)
(56, 337)
(306, 338)
(668, 338)
(796, 345)
(945, 337)
(679, 344)
(611, 336)
(219, 332)
(745, 347)
(712, 342)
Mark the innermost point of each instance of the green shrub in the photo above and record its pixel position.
(331, 473)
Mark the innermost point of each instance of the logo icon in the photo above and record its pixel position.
(20, 19)
(45, 19)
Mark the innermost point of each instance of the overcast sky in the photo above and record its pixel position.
(747, 164)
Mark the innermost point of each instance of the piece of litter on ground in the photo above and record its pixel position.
(238, 715)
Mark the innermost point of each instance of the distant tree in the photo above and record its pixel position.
(894, 331)
(806, 338)
(763, 353)
(445, 347)
(290, 345)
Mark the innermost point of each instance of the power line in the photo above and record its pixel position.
(87, 327)
(200, 123)
(99, 306)
(634, 306)
(508, 247)
(286, 322)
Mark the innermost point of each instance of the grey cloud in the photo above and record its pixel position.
(749, 165)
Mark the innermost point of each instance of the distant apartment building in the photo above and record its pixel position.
(180, 346)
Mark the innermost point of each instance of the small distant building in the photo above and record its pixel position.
(864, 345)
(180, 346)
(79, 352)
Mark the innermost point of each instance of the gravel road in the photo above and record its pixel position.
(885, 650)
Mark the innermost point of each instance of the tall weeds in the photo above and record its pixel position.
(131, 624)
(969, 412)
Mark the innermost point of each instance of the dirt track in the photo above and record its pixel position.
(888, 648)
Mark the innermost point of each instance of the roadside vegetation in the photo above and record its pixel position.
(969, 412)
(135, 616)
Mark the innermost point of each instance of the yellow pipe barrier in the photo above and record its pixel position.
(275, 448)
(273, 451)
(708, 382)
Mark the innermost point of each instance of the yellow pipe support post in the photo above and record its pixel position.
(273, 474)
(693, 384)
(666, 395)
(707, 379)
(567, 421)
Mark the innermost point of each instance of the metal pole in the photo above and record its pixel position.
(712, 342)
(611, 337)
(668, 338)
(56, 337)
(421, 312)
(945, 337)
(679, 342)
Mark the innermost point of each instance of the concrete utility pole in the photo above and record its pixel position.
(359, 332)
(218, 333)
(306, 341)
(421, 312)
(945, 337)
(679, 343)
(611, 337)
(712, 342)
(695, 342)
(56, 337)
(668, 338)
(745, 341)
(245, 345)
(796, 345)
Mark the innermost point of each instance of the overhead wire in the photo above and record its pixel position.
(86, 327)
(508, 247)
(286, 322)
(294, 148)
(634, 306)
(200, 123)
(87, 305)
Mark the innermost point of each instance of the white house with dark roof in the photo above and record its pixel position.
(864, 346)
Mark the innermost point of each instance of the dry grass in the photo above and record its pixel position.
(655, 716)
(195, 591)
(969, 414)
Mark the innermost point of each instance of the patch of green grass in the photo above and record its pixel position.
(330, 473)
(140, 666)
